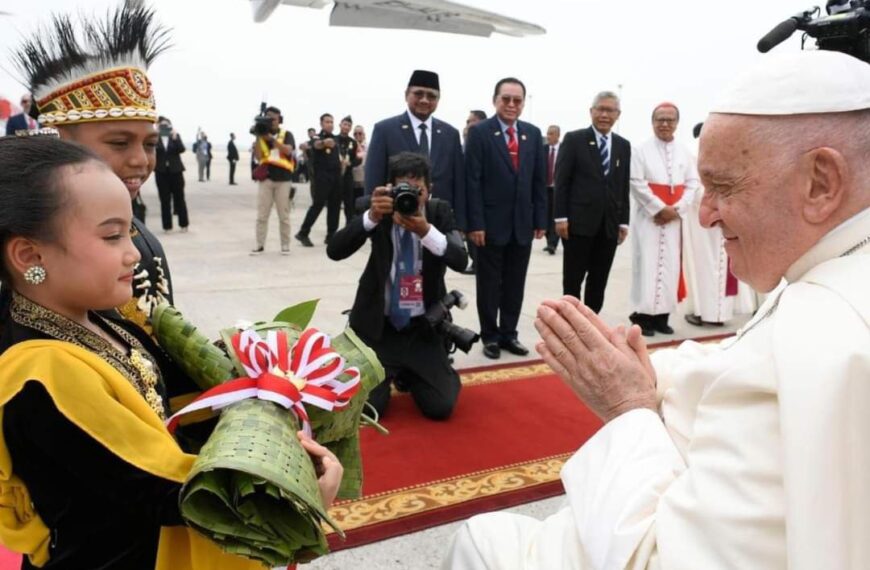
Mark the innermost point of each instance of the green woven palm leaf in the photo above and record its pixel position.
(253, 489)
(206, 364)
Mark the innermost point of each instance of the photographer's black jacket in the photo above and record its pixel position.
(367, 315)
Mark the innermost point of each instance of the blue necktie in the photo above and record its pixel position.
(605, 155)
(404, 266)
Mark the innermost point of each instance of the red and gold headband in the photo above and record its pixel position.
(116, 94)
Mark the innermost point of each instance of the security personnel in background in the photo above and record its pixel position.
(327, 182)
(349, 160)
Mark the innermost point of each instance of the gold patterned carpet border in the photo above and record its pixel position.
(406, 502)
(504, 374)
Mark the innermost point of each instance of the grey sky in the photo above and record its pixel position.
(223, 64)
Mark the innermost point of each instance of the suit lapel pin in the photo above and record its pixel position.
(617, 163)
(592, 143)
(438, 131)
(496, 133)
(523, 137)
(404, 126)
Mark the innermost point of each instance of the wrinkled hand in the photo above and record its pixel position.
(382, 203)
(623, 233)
(608, 369)
(326, 465)
(562, 229)
(478, 238)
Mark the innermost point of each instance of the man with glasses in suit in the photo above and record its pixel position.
(416, 130)
(591, 200)
(22, 121)
(507, 207)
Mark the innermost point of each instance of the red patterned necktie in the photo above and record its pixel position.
(513, 148)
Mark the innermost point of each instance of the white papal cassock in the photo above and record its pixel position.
(662, 174)
(761, 461)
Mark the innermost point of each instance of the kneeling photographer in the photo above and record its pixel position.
(273, 150)
(413, 240)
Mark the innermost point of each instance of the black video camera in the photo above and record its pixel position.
(406, 198)
(262, 123)
(845, 28)
(438, 317)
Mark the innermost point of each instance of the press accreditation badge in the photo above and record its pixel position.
(411, 292)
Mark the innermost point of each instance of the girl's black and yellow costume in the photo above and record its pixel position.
(89, 476)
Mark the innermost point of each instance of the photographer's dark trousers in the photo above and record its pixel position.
(233, 172)
(347, 196)
(416, 359)
(170, 190)
(325, 192)
(501, 282)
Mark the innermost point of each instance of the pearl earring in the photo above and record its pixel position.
(35, 274)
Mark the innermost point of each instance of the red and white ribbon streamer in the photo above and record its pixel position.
(306, 374)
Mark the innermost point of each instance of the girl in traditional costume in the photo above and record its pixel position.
(89, 475)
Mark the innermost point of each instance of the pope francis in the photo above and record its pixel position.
(752, 453)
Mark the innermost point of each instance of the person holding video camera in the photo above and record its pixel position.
(413, 240)
(274, 151)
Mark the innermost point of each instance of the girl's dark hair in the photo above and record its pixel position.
(31, 192)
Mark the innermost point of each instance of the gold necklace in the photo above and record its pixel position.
(138, 367)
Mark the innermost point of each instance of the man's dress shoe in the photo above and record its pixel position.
(514, 347)
(491, 350)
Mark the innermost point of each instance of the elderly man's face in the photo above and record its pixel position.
(749, 192)
(665, 121)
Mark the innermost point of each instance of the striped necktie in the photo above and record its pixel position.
(605, 155)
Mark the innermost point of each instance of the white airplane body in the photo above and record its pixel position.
(429, 15)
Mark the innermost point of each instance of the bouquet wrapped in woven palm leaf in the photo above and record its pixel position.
(253, 488)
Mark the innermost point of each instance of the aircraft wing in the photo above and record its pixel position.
(430, 15)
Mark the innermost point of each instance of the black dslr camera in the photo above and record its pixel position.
(262, 123)
(845, 28)
(405, 198)
(438, 317)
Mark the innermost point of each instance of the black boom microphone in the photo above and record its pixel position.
(777, 35)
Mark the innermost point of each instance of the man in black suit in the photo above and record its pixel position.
(507, 203)
(592, 208)
(326, 189)
(551, 152)
(169, 176)
(233, 157)
(404, 277)
(416, 130)
(22, 121)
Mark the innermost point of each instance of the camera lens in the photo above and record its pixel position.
(406, 203)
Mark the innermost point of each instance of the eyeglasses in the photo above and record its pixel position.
(424, 94)
(357, 134)
(606, 110)
(665, 121)
(508, 99)
(25, 101)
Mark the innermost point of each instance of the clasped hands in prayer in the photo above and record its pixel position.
(607, 368)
